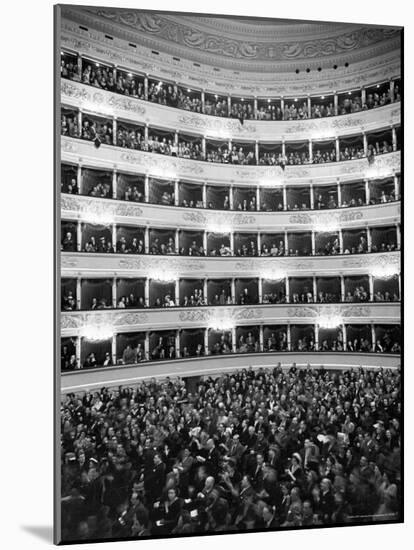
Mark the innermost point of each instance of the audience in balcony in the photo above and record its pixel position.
(135, 246)
(247, 344)
(164, 349)
(221, 299)
(68, 359)
(387, 344)
(222, 250)
(335, 345)
(331, 248)
(101, 190)
(327, 297)
(351, 153)
(274, 298)
(165, 301)
(133, 194)
(295, 158)
(360, 294)
(361, 248)
(195, 299)
(223, 346)
(247, 250)
(323, 157)
(218, 107)
(303, 297)
(386, 296)
(350, 105)
(69, 125)
(278, 343)
(192, 204)
(273, 159)
(68, 301)
(245, 298)
(269, 112)
(247, 204)
(307, 343)
(97, 131)
(293, 111)
(321, 204)
(131, 302)
(132, 355)
(275, 250)
(101, 132)
(100, 303)
(101, 245)
(68, 243)
(71, 188)
(242, 110)
(384, 247)
(352, 203)
(379, 149)
(192, 250)
(165, 247)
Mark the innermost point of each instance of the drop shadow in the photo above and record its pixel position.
(42, 532)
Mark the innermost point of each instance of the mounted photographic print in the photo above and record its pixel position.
(228, 274)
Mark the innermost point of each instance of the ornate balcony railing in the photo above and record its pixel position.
(73, 263)
(76, 207)
(83, 380)
(110, 104)
(110, 157)
(74, 322)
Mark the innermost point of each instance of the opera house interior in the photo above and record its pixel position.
(230, 236)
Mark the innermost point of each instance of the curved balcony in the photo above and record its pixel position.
(204, 366)
(81, 35)
(73, 323)
(73, 263)
(98, 101)
(109, 157)
(77, 207)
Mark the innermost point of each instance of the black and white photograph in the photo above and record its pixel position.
(229, 280)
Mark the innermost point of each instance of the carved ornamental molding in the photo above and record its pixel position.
(382, 61)
(316, 311)
(166, 28)
(107, 103)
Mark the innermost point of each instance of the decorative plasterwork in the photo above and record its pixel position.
(268, 46)
(162, 264)
(381, 64)
(102, 265)
(106, 103)
(74, 322)
(85, 206)
(344, 311)
(84, 152)
(96, 210)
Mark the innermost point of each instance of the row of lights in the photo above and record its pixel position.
(130, 75)
(103, 332)
(275, 274)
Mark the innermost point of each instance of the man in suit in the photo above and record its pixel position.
(155, 479)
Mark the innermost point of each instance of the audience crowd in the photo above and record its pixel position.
(263, 449)
(179, 97)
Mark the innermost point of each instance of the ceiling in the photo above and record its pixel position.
(253, 44)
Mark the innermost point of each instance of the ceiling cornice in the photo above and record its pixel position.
(234, 44)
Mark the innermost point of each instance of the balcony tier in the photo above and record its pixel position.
(110, 157)
(75, 263)
(79, 33)
(102, 102)
(142, 214)
(84, 380)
